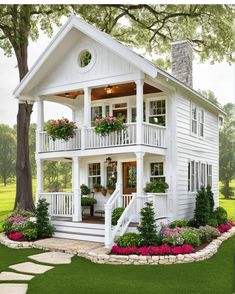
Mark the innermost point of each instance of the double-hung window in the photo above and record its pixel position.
(199, 174)
(197, 120)
(209, 175)
(156, 171)
(201, 120)
(194, 119)
(94, 174)
(157, 112)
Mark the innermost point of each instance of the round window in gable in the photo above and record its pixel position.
(84, 58)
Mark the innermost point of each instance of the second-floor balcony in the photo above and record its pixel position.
(87, 138)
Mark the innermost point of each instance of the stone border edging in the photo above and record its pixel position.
(101, 254)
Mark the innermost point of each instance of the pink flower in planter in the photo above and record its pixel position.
(186, 248)
(15, 235)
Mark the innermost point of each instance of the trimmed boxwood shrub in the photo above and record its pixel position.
(129, 239)
(88, 201)
(117, 212)
(220, 214)
(212, 222)
(202, 209)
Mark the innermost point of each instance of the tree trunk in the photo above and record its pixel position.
(226, 190)
(24, 195)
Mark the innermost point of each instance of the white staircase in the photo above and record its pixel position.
(79, 231)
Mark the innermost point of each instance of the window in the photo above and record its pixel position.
(157, 112)
(84, 58)
(111, 172)
(209, 174)
(201, 123)
(156, 171)
(189, 175)
(96, 112)
(192, 176)
(203, 175)
(194, 119)
(107, 110)
(133, 113)
(94, 175)
(197, 175)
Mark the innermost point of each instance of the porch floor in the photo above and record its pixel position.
(85, 219)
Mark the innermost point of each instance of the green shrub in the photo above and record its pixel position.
(129, 239)
(88, 201)
(84, 190)
(44, 228)
(147, 227)
(30, 234)
(207, 233)
(97, 187)
(178, 223)
(191, 236)
(202, 210)
(55, 186)
(156, 186)
(220, 214)
(212, 222)
(192, 223)
(210, 196)
(117, 212)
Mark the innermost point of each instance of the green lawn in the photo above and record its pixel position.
(212, 276)
(7, 196)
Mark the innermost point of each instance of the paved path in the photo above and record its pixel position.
(25, 268)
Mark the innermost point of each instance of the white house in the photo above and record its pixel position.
(172, 130)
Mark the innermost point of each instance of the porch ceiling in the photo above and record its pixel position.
(113, 91)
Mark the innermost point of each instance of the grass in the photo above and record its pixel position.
(215, 275)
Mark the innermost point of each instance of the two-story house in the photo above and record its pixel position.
(172, 130)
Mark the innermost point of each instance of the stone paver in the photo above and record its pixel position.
(52, 257)
(13, 288)
(10, 276)
(31, 268)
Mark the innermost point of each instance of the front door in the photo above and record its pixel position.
(129, 177)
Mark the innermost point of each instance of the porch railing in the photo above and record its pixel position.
(60, 203)
(117, 138)
(154, 135)
(47, 144)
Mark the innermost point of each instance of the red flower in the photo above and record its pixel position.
(15, 236)
(165, 249)
(176, 250)
(143, 250)
(154, 250)
(224, 227)
(187, 249)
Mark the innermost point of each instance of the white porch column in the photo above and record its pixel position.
(139, 110)
(40, 123)
(40, 184)
(87, 107)
(77, 216)
(140, 173)
(119, 183)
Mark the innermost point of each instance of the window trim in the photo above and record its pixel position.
(160, 176)
(88, 172)
(194, 178)
(198, 121)
(147, 109)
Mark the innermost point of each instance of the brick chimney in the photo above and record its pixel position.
(182, 61)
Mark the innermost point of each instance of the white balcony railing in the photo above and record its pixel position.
(87, 138)
(47, 144)
(60, 203)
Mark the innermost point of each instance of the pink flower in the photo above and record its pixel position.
(224, 228)
(187, 249)
(154, 250)
(176, 250)
(143, 251)
(165, 249)
(15, 236)
(231, 223)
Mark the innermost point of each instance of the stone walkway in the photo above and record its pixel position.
(24, 271)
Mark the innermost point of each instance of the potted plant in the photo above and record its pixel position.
(60, 129)
(106, 125)
(156, 186)
(84, 190)
(97, 187)
(104, 191)
(111, 186)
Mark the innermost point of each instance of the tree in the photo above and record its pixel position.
(210, 95)
(227, 150)
(19, 24)
(153, 27)
(202, 210)
(7, 153)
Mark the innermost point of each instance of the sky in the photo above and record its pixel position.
(219, 77)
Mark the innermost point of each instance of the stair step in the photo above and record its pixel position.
(77, 230)
(78, 224)
(91, 238)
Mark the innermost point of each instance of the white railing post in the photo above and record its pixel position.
(108, 225)
(119, 183)
(87, 106)
(83, 138)
(39, 179)
(139, 109)
(40, 122)
(76, 190)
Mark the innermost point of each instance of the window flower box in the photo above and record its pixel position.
(60, 129)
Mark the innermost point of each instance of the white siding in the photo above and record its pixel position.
(190, 147)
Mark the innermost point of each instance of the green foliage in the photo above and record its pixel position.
(60, 129)
(84, 190)
(227, 150)
(179, 223)
(191, 236)
(220, 214)
(54, 187)
(202, 210)
(147, 227)
(7, 153)
(210, 95)
(192, 223)
(213, 222)
(107, 125)
(97, 187)
(129, 239)
(30, 234)
(210, 196)
(117, 212)
(111, 185)
(88, 201)
(207, 234)
(44, 228)
(156, 186)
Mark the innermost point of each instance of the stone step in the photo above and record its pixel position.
(30, 268)
(13, 288)
(10, 276)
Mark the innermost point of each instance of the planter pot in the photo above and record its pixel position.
(96, 190)
(110, 191)
(104, 192)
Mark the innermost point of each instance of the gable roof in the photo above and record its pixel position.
(117, 47)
